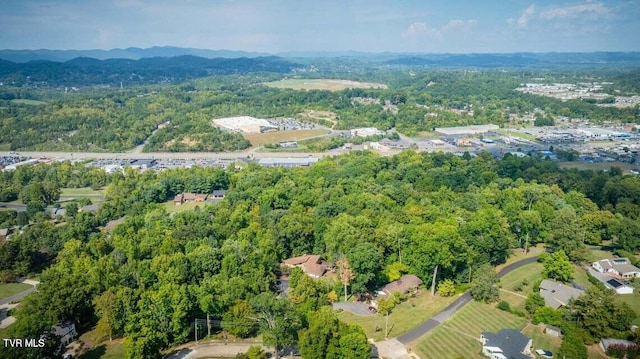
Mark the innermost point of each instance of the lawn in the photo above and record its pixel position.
(282, 136)
(599, 166)
(9, 289)
(187, 206)
(106, 350)
(459, 336)
(516, 133)
(518, 254)
(404, 317)
(516, 300)
(527, 274)
(634, 302)
(540, 339)
(68, 194)
(28, 102)
(322, 84)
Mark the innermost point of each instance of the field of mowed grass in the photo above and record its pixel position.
(106, 350)
(516, 300)
(524, 277)
(459, 336)
(28, 102)
(282, 136)
(188, 206)
(9, 289)
(625, 167)
(67, 194)
(633, 300)
(404, 317)
(322, 84)
(540, 339)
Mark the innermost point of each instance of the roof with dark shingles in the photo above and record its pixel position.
(511, 341)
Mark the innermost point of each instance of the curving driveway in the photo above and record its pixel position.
(355, 308)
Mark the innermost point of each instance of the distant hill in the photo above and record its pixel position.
(517, 59)
(83, 71)
(132, 53)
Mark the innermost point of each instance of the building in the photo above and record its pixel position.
(288, 144)
(556, 294)
(366, 132)
(66, 331)
(617, 267)
(4, 233)
(287, 162)
(466, 130)
(553, 331)
(311, 264)
(506, 344)
(404, 285)
(188, 197)
(618, 285)
(605, 343)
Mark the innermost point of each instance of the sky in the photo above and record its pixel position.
(275, 26)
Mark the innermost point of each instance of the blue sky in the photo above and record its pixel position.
(274, 26)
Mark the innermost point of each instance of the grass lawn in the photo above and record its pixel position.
(187, 206)
(518, 254)
(106, 350)
(322, 84)
(634, 302)
(516, 300)
(68, 194)
(459, 336)
(540, 339)
(282, 136)
(625, 167)
(404, 317)
(528, 274)
(9, 289)
(516, 133)
(28, 102)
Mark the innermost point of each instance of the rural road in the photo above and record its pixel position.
(22, 294)
(452, 308)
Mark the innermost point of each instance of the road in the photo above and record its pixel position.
(15, 207)
(452, 308)
(22, 294)
(169, 155)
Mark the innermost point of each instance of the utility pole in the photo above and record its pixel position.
(195, 326)
(433, 281)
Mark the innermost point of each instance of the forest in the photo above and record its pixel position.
(114, 119)
(151, 276)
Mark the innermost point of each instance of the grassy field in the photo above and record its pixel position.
(634, 302)
(322, 84)
(528, 273)
(188, 206)
(598, 166)
(9, 289)
(281, 136)
(540, 339)
(459, 336)
(68, 194)
(404, 317)
(518, 134)
(107, 350)
(28, 102)
(326, 118)
(518, 254)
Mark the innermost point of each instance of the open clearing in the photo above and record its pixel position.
(460, 335)
(404, 317)
(323, 84)
(187, 206)
(599, 166)
(282, 136)
(68, 194)
(9, 289)
(28, 102)
(326, 118)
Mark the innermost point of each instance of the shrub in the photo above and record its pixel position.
(503, 305)
(446, 288)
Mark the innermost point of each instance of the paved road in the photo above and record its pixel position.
(15, 207)
(452, 308)
(355, 308)
(20, 295)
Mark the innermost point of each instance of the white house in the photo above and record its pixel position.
(617, 267)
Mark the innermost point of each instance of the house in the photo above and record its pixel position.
(91, 208)
(506, 344)
(113, 224)
(618, 285)
(553, 331)
(288, 144)
(606, 343)
(218, 194)
(311, 264)
(556, 294)
(404, 285)
(617, 267)
(188, 197)
(66, 331)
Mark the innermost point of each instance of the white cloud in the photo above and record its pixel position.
(523, 20)
(589, 9)
(419, 29)
(459, 24)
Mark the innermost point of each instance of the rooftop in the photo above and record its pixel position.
(556, 294)
(510, 341)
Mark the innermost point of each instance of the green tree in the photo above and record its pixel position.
(354, 344)
(483, 286)
(277, 320)
(447, 288)
(385, 306)
(567, 233)
(572, 346)
(238, 320)
(534, 301)
(365, 261)
(104, 307)
(322, 333)
(557, 266)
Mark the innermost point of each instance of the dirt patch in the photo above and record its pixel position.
(323, 84)
(319, 117)
(282, 136)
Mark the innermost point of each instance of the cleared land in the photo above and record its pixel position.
(9, 289)
(326, 118)
(599, 166)
(460, 335)
(282, 136)
(68, 194)
(323, 84)
(404, 317)
(28, 102)
(188, 206)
